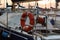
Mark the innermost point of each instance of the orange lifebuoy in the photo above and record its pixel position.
(40, 20)
(31, 18)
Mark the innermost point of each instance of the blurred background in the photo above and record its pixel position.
(41, 3)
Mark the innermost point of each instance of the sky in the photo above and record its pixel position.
(42, 4)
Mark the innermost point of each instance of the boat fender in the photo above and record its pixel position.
(52, 21)
(5, 34)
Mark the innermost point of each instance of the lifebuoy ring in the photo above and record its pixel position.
(41, 20)
(31, 18)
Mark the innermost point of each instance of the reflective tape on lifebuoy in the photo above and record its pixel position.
(31, 18)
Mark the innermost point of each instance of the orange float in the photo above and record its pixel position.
(25, 27)
(40, 20)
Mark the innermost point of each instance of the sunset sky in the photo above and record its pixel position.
(42, 4)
